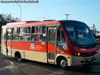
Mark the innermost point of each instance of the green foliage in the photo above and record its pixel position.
(4, 19)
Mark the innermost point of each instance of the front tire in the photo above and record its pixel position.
(63, 64)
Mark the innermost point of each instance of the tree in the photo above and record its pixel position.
(4, 19)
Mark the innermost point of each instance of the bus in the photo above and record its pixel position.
(65, 42)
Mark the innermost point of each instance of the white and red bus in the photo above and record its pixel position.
(65, 43)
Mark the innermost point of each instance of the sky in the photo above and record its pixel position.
(87, 11)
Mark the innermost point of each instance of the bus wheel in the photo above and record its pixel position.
(18, 56)
(63, 64)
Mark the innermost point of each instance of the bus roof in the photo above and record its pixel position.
(21, 22)
(34, 23)
(29, 23)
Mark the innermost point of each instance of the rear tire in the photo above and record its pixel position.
(18, 56)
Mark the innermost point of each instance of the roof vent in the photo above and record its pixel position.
(48, 20)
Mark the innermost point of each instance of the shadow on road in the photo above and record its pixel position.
(93, 68)
(34, 63)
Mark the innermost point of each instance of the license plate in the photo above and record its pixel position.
(87, 60)
(90, 59)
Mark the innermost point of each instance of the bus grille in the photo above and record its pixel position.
(88, 54)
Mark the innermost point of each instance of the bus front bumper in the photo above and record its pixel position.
(79, 60)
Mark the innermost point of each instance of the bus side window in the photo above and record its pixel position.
(25, 34)
(4, 34)
(62, 36)
(32, 36)
(43, 29)
(9, 36)
(52, 37)
(61, 39)
(38, 34)
(43, 36)
(15, 34)
(58, 35)
(28, 30)
(32, 31)
(21, 34)
(35, 37)
(28, 34)
(36, 29)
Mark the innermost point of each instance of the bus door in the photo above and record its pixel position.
(9, 42)
(51, 49)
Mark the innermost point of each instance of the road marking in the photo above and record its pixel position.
(7, 67)
(11, 63)
(59, 72)
(11, 66)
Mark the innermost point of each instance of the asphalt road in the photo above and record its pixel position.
(9, 66)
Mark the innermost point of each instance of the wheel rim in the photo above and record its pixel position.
(63, 63)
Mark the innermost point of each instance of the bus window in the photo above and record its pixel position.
(4, 34)
(28, 29)
(32, 37)
(43, 29)
(15, 34)
(52, 37)
(38, 34)
(61, 39)
(39, 29)
(36, 30)
(21, 30)
(25, 34)
(8, 34)
(43, 36)
(18, 30)
(21, 36)
(33, 29)
(36, 38)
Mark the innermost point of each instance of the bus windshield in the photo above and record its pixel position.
(80, 34)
